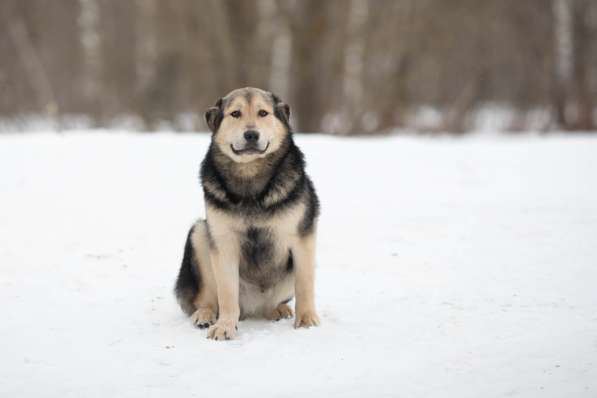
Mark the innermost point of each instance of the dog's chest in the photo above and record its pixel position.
(265, 256)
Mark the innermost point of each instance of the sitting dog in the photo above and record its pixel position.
(255, 250)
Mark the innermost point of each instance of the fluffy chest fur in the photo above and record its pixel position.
(264, 244)
(265, 258)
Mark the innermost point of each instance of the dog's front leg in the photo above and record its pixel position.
(224, 261)
(303, 253)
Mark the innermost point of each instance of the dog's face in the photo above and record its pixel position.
(248, 124)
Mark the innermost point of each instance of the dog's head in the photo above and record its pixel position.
(248, 124)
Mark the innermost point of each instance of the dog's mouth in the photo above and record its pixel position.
(249, 150)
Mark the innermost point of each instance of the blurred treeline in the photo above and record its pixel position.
(344, 66)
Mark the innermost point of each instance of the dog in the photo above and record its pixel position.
(255, 250)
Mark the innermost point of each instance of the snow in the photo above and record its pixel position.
(446, 267)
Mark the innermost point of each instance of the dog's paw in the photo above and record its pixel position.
(306, 319)
(203, 318)
(282, 311)
(222, 330)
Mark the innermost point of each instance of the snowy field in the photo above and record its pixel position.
(446, 268)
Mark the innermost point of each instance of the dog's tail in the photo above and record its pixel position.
(187, 283)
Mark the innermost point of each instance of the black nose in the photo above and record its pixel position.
(251, 136)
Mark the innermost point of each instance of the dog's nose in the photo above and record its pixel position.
(251, 136)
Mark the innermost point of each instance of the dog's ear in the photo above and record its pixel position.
(281, 110)
(214, 116)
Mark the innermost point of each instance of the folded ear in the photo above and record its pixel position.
(214, 116)
(281, 110)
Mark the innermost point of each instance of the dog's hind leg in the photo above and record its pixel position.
(189, 280)
(195, 286)
(283, 293)
(282, 311)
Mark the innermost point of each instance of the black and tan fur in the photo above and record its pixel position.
(255, 250)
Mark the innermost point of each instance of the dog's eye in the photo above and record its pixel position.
(263, 113)
(235, 114)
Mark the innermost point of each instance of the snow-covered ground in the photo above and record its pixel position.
(446, 268)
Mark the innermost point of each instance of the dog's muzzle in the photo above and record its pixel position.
(251, 144)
